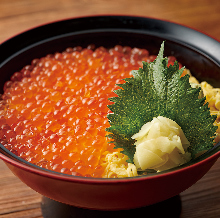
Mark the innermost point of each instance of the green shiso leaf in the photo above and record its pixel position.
(157, 90)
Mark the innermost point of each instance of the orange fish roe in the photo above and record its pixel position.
(53, 112)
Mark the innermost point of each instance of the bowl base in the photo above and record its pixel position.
(169, 208)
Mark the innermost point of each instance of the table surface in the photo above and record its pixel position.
(18, 200)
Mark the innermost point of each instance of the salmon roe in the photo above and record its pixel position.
(53, 112)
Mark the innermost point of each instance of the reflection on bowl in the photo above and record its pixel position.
(124, 193)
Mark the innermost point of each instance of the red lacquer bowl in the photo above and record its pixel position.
(197, 51)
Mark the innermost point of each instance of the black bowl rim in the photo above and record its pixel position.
(175, 32)
(167, 29)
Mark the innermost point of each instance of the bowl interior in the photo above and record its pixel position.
(193, 49)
